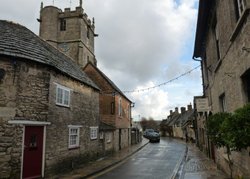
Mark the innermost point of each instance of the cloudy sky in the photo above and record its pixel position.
(141, 44)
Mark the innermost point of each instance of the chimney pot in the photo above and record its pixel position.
(183, 109)
(176, 110)
(189, 107)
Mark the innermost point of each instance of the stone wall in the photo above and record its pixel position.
(83, 111)
(73, 41)
(24, 95)
(125, 139)
(224, 74)
(28, 93)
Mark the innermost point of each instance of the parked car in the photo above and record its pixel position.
(152, 135)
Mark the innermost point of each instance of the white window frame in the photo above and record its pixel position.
(62, 101)
(76, 144)
(241, 6)
(93, 132)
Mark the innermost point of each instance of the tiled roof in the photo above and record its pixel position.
(112, 84)
(184, 117)
(18, 41)
(173, 119)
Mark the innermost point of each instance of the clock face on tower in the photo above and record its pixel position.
(64, 47)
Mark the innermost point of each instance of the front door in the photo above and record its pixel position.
(33, 152)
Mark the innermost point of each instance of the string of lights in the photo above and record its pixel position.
(162, 84)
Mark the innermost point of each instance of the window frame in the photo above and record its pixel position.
(77, 134)
(120, 107)
(112, 111)
(245, 78)
(93, 132)
(222, 102)
(63, 24)
(241, 6)
(62, 101)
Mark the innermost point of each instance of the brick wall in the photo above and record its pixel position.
(106, 99)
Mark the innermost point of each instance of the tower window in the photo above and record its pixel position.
(63, 24)
(88, 32)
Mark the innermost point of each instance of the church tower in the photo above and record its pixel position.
(72, 32)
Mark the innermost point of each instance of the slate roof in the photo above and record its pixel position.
(18, 41)
(112, 84)
(173, 119)
(184, 117)
(178, 119)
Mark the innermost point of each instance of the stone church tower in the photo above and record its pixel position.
(72, 32)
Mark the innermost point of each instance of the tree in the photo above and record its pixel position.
(230, 130)
(148, 123)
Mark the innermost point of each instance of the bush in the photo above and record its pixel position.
(230, 130)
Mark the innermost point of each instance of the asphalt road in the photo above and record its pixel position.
(154, 161)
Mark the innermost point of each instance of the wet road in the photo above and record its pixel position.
(156, 160)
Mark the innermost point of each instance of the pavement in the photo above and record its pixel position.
(95, 167)
(193, 165)
(196, 165)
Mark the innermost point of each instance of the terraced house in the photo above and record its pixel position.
(49, 108)
(222, 44)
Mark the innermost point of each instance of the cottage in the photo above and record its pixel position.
(49, 108)
(180, 125)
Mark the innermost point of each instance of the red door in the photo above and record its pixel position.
(33, 152)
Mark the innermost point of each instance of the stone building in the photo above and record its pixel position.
(115, 107)
(179, 125)
(49, 108)
(70, 31)
(222, 44)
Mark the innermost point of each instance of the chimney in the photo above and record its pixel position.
(183, 109)
(176, 110)
(171, 112)
(189, 107)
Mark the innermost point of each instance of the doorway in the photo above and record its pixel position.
(33, 151)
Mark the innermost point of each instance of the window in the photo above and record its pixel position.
(93, 132)
(240, 6)
(128, 111)
(62, 96)
(63, 24)
(120, 107)
(112, 108)
(222, 103)
(216, 36)
(88, 32)
(74, 135)
(246, 85)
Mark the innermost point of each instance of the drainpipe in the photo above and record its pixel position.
(195, 112)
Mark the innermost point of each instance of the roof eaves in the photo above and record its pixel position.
(109, 81)
(201, 27)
